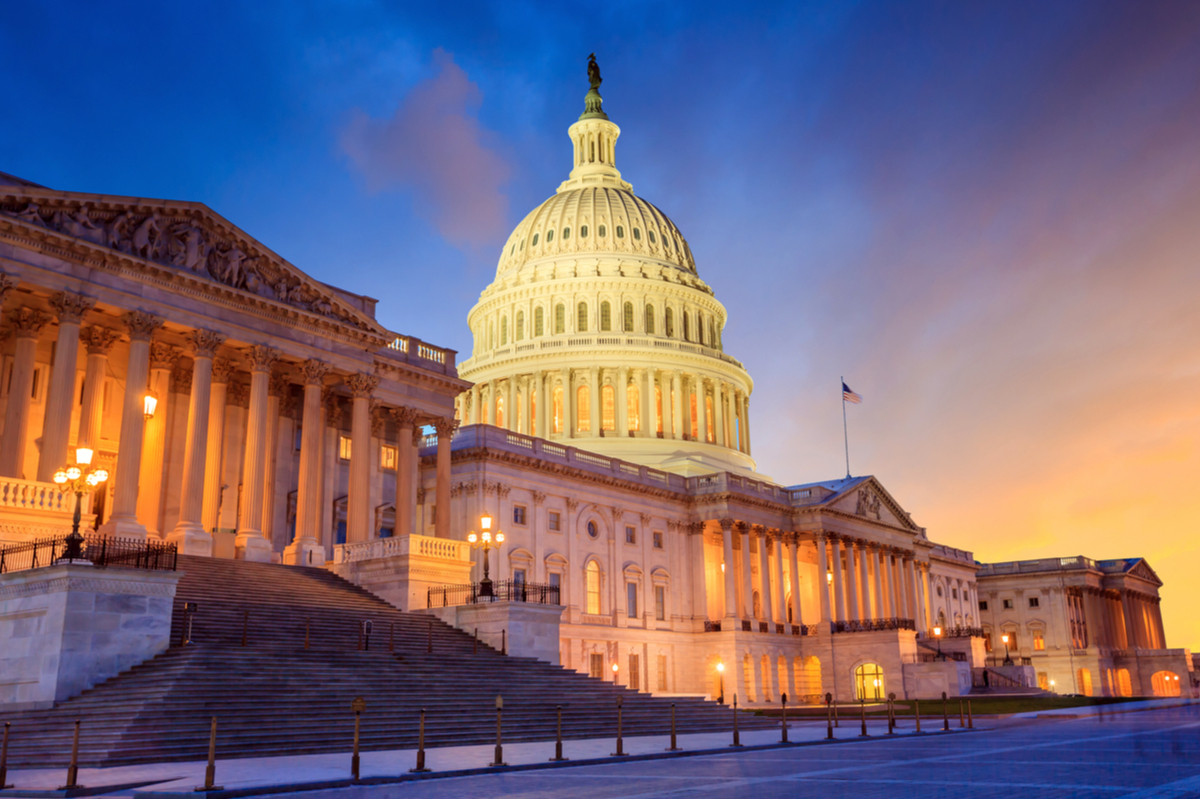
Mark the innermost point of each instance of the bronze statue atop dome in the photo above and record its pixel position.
(594, 72)
(592, 100)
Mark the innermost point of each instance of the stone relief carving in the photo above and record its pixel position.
(185, 242)
(868, 504)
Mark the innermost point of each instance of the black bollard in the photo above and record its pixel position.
(504, 641)
(917, 713)
(359, 705)
(620, 749)
(736, 741)
(945, 714)
(862, 707)
(673, 742)
(210, 771)
(420, 745)
(829, 715)
(4, 784)
(970, 719)
(962, 722)
(499, 757)
(558, 756)
(891, 712)
(783, 718)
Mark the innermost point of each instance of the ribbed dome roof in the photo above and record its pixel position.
(595, 220)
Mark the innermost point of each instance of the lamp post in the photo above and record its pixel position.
(78, 477)
(616, 671)
(486, 540)
(1008, 662)
(937, 634)
(721, 678)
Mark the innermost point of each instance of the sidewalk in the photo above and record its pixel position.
(241, 777)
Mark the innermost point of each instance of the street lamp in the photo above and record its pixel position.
(149, 403)
(937, 634)
(486, 540)
(616, 668)
(721, 676)
(1007, 659)
(79, 477)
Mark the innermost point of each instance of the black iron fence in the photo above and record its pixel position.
(102, 551)
(469, 594)
(886, 624)
(714, 626)
(958, 632)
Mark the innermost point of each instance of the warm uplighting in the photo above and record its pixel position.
(616, 668)
(1007, 658)
(485, 539)
(937, 634)
(829, 577)
(149, 404)
(721, 678)
(83, 455)
(485, 522)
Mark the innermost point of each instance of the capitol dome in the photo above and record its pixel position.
(598, 332)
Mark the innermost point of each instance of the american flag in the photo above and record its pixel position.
(849, 395)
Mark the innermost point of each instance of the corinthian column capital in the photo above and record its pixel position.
(141, 324)
(362, 384)
(71, 307)
(205, 343)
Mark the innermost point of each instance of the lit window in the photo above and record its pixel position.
(662, 673)
(556, 423)
(518, 515)
(658, 409)
(387, 457)
(631, 604)
(633, 404)
(554, 522)
(343, 447)
(1039, 640)
(593, 586)
(658, 540)
(630, 534)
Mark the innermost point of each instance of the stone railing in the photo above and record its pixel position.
(413, 350)
(566, 341)
(34, 496)
(413, 544)
(1036, 565)
(887, 624)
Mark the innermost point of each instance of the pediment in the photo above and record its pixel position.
(188, 237)
(1142, 570)
(869, 500)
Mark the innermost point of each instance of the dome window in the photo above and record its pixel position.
(581, 318)
(652, 240)
(605, 316)
(513, 250)
(627, 317)
(534, 242)
(538, 321)
(620, 232)
(550, 235)
(601, 232)
(560, 318)
(669, 323)
(649, 318)
(637, 234)
(522, 244)
(583, 231)
(566, 234)
(520, 329)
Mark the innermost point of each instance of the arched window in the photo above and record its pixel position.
(1164, 682)
(627, 318)
(605, 316)
(583, 231)
(534, 242)
(634, 406)
(581, 318)
(566, 234)
(700, 329)
(503, 331)
(608, 408)
(557, 420)
(583, 409)
(620, 232)
(592, 574)
(669, 323)
(687, 327)
(539, 321)
(560, 318)
(520, 325)
(712, 335)
(550, 235)
(499, 410)
(649, 318)
(601, 231)
(868, 682)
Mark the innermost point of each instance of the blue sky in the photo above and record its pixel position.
(982, 214)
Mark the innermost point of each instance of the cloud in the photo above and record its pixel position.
(434, 146)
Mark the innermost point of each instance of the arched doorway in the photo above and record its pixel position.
(807, 675)
(1165, 683)
(1124, 684)
(868, 682)
(1085, 682)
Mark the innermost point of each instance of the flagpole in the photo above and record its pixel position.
(845, 430)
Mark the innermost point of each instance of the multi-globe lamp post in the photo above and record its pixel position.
(1007, 658)
(937, 634)
(486, 540)
(79, 477)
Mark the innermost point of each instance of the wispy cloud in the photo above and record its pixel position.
(434, 146)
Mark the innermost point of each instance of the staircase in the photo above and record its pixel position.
(273, 695)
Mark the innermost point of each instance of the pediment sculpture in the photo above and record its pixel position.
(185, 241)
(868, 504)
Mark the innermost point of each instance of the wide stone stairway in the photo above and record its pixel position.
(277, 655)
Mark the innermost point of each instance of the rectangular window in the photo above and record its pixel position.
(662, 673)
(518, 576)
(1007, 604)
(630, 535)
(1033, 602)
(631, 594)
(658, 540)
(555, 521)
(660, 602)
(343, 447)
(1043, 681)
(387, 457)
(518, 515)
(634, 672)
(596, 665)
(555, 580)
(1039, 640)
(983, 605)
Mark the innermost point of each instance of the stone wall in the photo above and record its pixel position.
(68, 627)
(526, 629)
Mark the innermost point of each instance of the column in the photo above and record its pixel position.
(441, 521)
(701, 411)
(780, 596)
(1156, 621)
(793, 547)
(881, 606)
(250, 543)
(306, 547)
(154, 439)
(98, 341)
(864, 580)
(621, 399)
(852, 582)
(56, 427)
(594, 400)
(675, 402)
(189, 534)
(746, 421)
(926, 591)
(277, 388)
(474, 417)
(839, 591)
(718, 414)
(568, 428)
(822, 583)
(728, 572)
(747, 577)
(221, 370)
(26, 324)
(405, 474)
(545, 407)
(649, 408)
(358, 504)
(889, 578)
(918, 601)
(764, 574)
(123, 521)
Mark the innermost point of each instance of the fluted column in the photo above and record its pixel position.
(889, 577)
(839, 591)
(154, 439)
(594, 401)
(441, 522)
(250, 543)
(852, 582)
(98, 341)
(746, 421)
(306, 547)
(123, 521)
(822, 583)
(719, 414)
(747, 577)
(780, 595)
(545, 407)
(881, 607)
(358, 504)
(221, 370)
(925, 590)
(764, 574)
(728, 574)
(277, 388)
(793, 547)
(918, 600)
(189, 535)
(26, 325)
(621, 398)
(864, 580)
(405, 420)
(649, 427)
(56, 427)
(568, 426)
(701, 410)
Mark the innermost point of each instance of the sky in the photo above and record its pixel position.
(986, 216)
